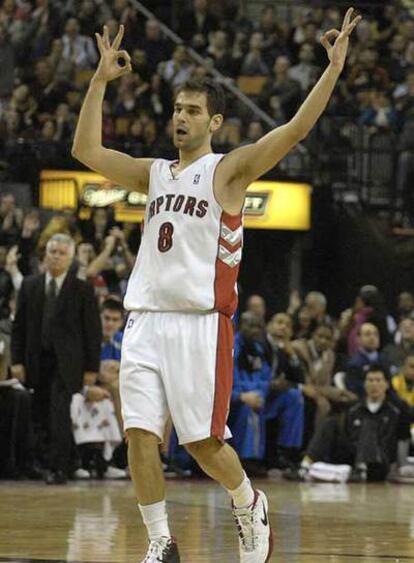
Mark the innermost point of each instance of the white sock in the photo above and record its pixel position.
(243, 496)
(155, 519)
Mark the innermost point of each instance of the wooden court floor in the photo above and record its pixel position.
(98, 522)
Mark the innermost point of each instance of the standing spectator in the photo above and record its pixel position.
(55, 347)
(77, 49)
(11, 220)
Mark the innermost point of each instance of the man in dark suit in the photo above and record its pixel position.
(56, 343)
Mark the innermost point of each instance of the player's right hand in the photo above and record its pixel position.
(109, 67)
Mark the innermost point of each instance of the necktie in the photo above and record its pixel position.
(48, 314)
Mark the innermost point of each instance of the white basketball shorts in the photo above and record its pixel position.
(179, 364)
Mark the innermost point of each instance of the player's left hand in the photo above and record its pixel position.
(337, 52)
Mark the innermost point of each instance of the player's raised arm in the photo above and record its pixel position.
(244, 165)
(132, 173)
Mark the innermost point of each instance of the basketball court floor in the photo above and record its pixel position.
(98, 522)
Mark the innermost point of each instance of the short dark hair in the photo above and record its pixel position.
(375, 368)
(216, 100)
(113, 305)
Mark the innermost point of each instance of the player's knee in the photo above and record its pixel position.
(141, 442)
(203, 448)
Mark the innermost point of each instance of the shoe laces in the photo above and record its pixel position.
(246, 519)
(157, 550)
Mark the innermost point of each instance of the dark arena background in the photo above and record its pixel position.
(326, 285)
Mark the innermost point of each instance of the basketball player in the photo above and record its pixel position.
(177, 348)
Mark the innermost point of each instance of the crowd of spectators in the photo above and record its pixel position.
(300, 375)
(306, 385)
(48, 53)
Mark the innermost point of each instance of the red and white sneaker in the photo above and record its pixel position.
(255, 533)
(162, 550)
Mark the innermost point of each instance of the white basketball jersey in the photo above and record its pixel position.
(190, 249)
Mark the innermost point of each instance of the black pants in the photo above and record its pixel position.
(329, 443)
(52, 401)
(16, 435)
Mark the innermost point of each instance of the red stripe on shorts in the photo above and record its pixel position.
(224, 376)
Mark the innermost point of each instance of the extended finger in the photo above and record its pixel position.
(353, 25)
(99, 43)
(347, 18)
(117, 41)
(106, 37)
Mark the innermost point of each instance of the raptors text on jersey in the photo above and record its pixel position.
(191, 249)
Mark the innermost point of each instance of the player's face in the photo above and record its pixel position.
(191, 120)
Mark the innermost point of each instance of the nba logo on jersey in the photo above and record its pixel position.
(197, 179)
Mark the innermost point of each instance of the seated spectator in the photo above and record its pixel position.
(257, 306)
(403, 385)
(254, 63)
(303, 324)
(287, 90)
(395, 354)
(284, 405)
(197, 20)
(405, 305)
(365, 438)
(154, 45)
(318, 357)
(317, 304)
(252, 374)
(305, 72)
(96, 432)
(368, 353)
(78, 50)
(112, 317)
(16, 432)
(96, 413)
(176, 70)
(368, 308)
(380, 114)
(219, 52)
(254, 132)
(368, 72)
